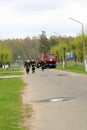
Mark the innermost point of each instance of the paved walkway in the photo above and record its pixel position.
(12, 76)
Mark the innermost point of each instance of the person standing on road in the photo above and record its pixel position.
(43, 65)
(27, 66)
(33, 64)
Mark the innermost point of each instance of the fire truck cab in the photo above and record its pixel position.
(50, 60)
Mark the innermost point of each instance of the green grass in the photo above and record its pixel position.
(11, 71)
(73, 67)
(10, 104)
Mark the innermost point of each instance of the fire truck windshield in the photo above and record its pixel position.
(50, 57)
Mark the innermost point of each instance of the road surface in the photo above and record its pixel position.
(58, 98)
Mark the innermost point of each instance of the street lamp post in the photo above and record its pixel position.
(63, 58)
(85, 61)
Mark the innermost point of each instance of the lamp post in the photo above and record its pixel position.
(63, 58)
(85, 61)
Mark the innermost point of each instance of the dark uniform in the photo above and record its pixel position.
(33, 64)
(27, 66)
(43, 65)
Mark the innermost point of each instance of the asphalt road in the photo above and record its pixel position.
(59, 100)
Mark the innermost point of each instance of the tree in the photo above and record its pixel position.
(5, 55)
(60, 50)
(77, 48)
(53, 40)
(44, 43)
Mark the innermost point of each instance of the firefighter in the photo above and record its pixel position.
(43, 65)
(27, 66)
(33, 64)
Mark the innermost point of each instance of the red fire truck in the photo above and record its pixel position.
(39, 61)
(48, 59)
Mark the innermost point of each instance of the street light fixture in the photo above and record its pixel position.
(85, 62)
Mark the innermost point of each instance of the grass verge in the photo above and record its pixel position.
(11, 71)
(73, 67)
(10, 105)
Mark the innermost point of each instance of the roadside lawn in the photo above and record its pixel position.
(73, 67)
(11, 71)
(11, 109)
(10, 103)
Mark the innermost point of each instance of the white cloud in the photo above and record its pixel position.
(19, 18)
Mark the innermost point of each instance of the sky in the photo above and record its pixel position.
(28, 18)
